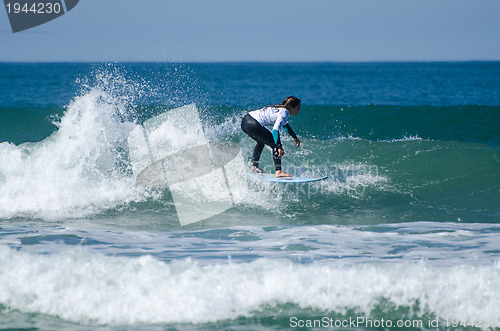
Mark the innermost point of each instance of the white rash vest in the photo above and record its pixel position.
(276, 116)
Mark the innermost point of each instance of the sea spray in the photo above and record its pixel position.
(73, 173)
(82, 169)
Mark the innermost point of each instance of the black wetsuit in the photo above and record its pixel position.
(263, 136)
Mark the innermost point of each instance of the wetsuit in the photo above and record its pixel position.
(253, 124)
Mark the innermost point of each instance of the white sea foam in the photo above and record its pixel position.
(87, 287)
(405, 138)
(74, 172)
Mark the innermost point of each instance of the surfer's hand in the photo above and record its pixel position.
(297, 142)
(281, 152)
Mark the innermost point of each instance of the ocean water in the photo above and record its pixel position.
(404, 233)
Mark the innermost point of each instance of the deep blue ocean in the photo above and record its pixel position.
(404, 233)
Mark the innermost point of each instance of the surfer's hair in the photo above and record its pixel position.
(288, 103)
(291, 102)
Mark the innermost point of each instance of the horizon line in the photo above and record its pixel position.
(245, 61)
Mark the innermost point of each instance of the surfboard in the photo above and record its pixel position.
(274, 179)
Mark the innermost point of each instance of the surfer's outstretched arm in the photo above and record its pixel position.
(288, 129)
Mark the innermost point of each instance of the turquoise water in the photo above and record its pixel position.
(405, 228)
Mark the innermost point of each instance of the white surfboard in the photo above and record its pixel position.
(274, 179)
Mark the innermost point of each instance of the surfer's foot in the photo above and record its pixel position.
(257, 170)
(280, 173)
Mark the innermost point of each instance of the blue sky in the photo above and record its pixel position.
(262, 30)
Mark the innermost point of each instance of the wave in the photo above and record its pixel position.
(90, 288)
(76, 171)
(83, 170)
(379, 170)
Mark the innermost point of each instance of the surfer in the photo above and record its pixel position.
(254, 124)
